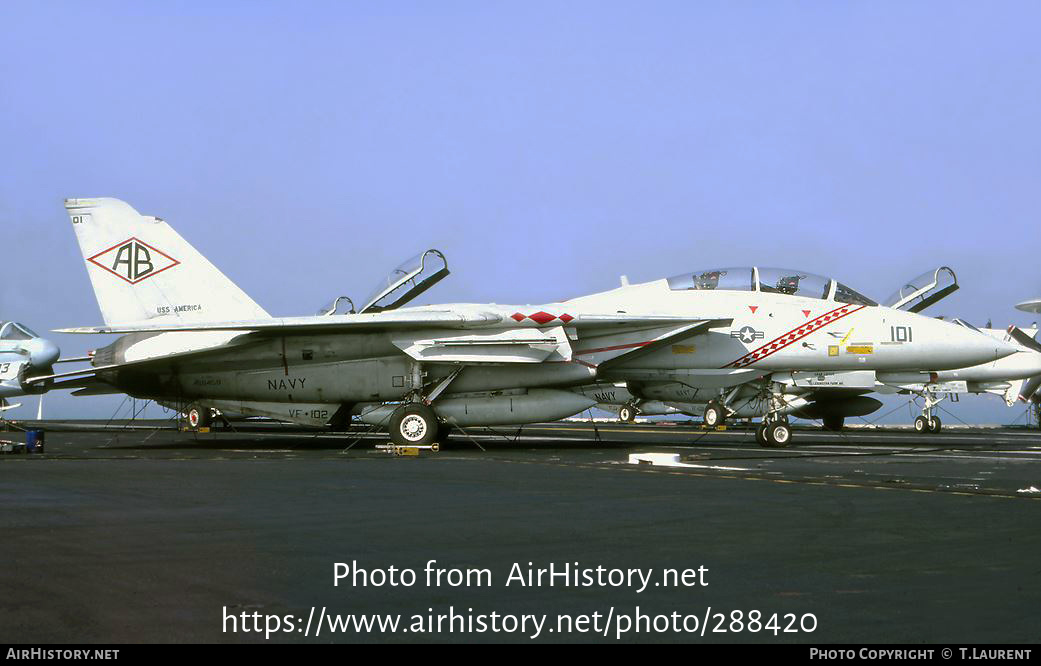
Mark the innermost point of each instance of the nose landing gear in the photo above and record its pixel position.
(774, 432)
(928, 422)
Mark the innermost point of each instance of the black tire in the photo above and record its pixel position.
(198, 416)
(714, 414)
(779, 435)
(626, 414)
(760, 435)
(834, 423)
(921, 424)
(935, 424)
(413, 425)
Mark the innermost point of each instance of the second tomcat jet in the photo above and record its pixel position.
(195, 341)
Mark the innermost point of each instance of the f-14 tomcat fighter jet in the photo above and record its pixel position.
(1003, 377)
(23, 356)
(194, 340)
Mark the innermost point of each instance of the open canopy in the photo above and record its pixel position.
(407, 281)
(927, 289)
(10, 330)
(771, 280)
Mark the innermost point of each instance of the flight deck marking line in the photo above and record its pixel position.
(794, 335)
(995, 494)
(879, 438)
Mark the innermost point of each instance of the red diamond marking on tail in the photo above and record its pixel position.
(542, 317)
(517, 316)
(566, 318)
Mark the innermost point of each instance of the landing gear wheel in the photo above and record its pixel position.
(626, 414)
(833, 423)
(921, 424)
(413, 425)
(760, 435)
(935, 424)
(714, 414)
(198, 416)
(779, 435)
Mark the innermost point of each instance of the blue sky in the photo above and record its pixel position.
(545, 147)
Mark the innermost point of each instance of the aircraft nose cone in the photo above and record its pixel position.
(43, 353)
(1003, 349)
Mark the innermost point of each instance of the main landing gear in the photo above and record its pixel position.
(415, 423)
(715, 413)
(628, 413)
(198, 416)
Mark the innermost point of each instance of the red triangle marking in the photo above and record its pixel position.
(806, 312)
(753, 308)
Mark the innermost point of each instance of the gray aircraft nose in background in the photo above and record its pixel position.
(42, 353)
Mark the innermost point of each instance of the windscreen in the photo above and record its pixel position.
(723, 279)
(844, 294)
(793, 283)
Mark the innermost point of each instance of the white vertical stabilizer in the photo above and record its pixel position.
(142, 270)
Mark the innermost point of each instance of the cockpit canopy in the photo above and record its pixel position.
(407, 281)
(10, 330)
(770, 280)
(925, 290)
